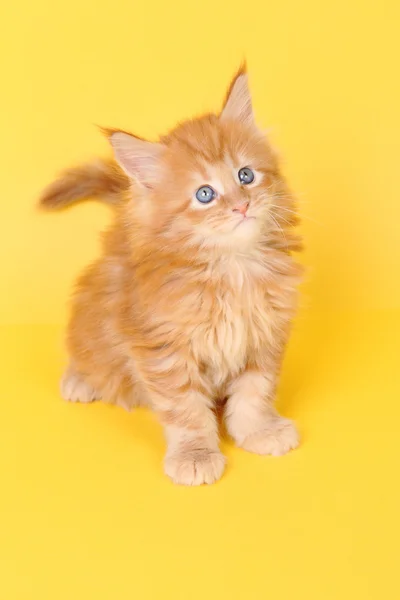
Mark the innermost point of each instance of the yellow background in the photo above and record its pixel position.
(85, 509)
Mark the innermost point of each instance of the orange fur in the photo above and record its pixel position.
(189, 308)
(101, 179)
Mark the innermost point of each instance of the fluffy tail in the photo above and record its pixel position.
(102, 180)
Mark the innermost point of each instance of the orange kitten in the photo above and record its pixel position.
(189, 308)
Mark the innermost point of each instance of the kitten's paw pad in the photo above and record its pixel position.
(74, 388)
(195, 467)
(277, 438)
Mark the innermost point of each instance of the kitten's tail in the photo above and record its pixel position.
(101, 179)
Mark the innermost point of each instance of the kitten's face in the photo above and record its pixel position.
(215, 182)
(210, 182)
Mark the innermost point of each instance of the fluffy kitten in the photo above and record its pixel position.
(189, 308)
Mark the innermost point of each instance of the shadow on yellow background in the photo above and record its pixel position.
(85, 509)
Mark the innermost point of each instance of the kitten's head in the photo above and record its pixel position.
(212, 181)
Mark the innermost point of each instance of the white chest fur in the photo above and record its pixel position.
(237, 320)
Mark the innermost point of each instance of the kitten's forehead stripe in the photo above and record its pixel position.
(204, 138)
(208, 141)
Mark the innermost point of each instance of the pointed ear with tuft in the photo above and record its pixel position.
(238, 105)
(140, 159)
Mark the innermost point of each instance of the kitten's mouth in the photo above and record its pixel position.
(244, 219)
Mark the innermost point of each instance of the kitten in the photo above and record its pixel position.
(189, 308)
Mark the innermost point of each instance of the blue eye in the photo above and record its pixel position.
(246, 176)
(205, 194)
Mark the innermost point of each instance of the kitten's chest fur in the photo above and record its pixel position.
(237, 318)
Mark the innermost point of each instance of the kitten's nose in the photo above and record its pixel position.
(241, 208)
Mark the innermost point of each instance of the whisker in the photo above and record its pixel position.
(280, 229)
(283, 219)
(298, 213)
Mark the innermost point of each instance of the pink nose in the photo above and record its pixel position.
(242, 208)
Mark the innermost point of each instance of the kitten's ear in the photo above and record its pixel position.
(138, 158)
(238, 105)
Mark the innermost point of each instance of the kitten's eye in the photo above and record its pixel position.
(246, 176)
(205, 194)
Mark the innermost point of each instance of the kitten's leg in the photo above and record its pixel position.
(118, 389)
(193, 455)
(75, 388)
(184, 407)
(251, 418)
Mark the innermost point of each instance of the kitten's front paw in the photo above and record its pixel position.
(277, 437)
(195, 467)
